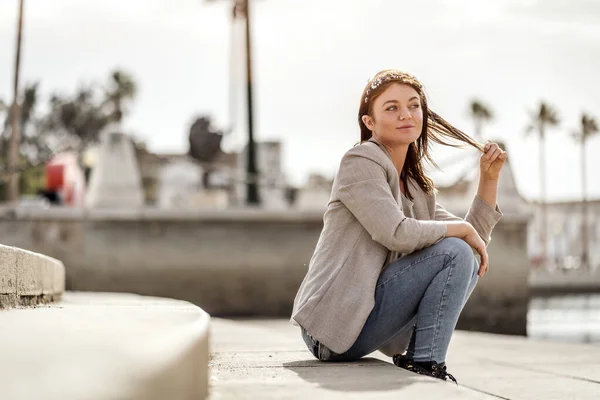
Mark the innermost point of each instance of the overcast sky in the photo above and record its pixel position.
(311, 61)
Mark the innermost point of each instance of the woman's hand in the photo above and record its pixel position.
(491, 161)
(466, 232)
(476, 242)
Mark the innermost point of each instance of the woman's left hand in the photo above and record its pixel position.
(491, 161)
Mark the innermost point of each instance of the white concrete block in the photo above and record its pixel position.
(25, 275)
(96, 346)
(8, 270)
(29, 273)
(115, 180)
(47, 274)
(58, 277)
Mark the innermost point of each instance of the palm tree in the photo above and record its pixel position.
(544, 118)
(3, 140)
(32, 142)
(3, 107)
(30, 95)
(589, 128)
(77, 118)
(480, 114)
(121, 88)
(26, 107)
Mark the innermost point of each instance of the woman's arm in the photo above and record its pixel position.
(484, 212)
(488, 190)
(362, 186)
(481, 216)
(490, 164)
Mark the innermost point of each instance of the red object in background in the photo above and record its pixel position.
(65, 178)
(55, 177)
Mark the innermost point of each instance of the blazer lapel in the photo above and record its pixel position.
(391, 169)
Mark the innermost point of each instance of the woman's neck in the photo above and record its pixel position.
(398, 154)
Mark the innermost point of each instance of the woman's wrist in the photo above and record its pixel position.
(458, 228)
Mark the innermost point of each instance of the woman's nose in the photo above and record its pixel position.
(404, 114)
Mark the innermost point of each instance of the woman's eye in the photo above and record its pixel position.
(392, 108)
(415, 106)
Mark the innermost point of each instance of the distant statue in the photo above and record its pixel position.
(205, 142)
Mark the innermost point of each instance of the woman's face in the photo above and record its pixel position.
(397, 116)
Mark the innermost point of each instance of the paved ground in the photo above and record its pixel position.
(266, 359)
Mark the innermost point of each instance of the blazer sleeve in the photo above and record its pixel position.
(481, 215)
(363, 188)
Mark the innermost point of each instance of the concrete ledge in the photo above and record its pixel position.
(28, 278)
(545, 283)
(94, 346)
(153, 214)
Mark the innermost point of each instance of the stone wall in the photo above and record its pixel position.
(231, 263)
(500, 301)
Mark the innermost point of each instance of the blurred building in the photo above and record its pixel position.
(315, 194)
(565, 234)
(179, 179)
(149, 165)
(185, 182)
(272, 182)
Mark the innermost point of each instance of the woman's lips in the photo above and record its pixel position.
(405, 127)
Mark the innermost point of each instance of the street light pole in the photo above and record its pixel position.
(15, 117)
(252, 195)
(242, 7)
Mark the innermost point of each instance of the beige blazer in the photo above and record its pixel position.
(368, 223)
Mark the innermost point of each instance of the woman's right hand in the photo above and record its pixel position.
(466, 232)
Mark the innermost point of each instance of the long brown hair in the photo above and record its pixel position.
(434, 127)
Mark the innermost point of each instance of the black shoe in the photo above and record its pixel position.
(428, 368)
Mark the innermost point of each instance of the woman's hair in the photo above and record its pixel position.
(434, 127)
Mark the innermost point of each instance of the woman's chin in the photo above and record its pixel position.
(400, 142)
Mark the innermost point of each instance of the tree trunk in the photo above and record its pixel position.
(584, 212)
(15, 138)
(544, 231)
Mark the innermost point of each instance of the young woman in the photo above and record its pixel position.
(392, 268)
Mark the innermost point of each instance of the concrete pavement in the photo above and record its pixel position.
(267, 359)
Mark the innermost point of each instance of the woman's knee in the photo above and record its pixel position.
(320, 351)
(459, 250)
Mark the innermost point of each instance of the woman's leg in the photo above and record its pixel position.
(410, 353)
(432, 284)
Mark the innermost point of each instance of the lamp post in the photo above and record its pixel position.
(252, 196)
(241, 8)
(15, 137)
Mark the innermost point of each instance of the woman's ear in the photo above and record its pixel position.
(368, 121)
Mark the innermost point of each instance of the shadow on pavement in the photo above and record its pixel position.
(367, 374)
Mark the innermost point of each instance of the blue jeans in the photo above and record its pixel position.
(424, 291)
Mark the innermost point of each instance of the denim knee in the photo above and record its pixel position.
(318, 349)
(460, 251)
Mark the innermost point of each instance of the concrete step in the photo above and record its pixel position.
(93, 346)
(267, 359)
(28, 278)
